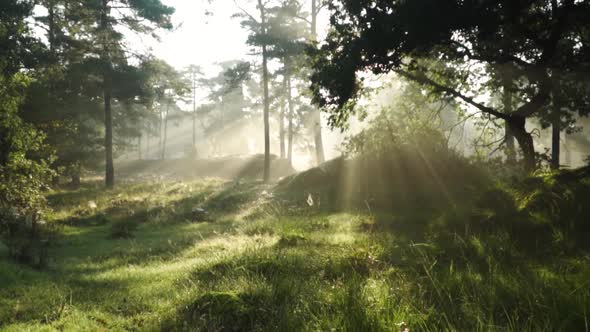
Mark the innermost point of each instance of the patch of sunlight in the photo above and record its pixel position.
(376, 292)
(237, 242)
(478, 246)
(339, 238)
(346, 221)
(221, 247)
(547, 275)
(252, 207)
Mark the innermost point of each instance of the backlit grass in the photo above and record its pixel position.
(263, 264)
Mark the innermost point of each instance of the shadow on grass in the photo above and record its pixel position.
(280, 288)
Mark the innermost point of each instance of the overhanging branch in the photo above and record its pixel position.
(422, 79)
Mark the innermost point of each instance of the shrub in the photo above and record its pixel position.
(24, 172)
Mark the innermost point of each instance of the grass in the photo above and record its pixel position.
(138, 261)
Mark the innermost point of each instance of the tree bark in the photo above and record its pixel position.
(567, 152)
(282, 114)
(555, 139)
(290, 120)
(282, 133)
(139, 156)
(147, 141)
(525, 140)
(317, 117)
(509, 136)
(160, 131)
(266, 176)
(556, 116)
(163, 157)
(510, 146)
(194, 151)
(107, 92)
(76, 176)
(51, 31)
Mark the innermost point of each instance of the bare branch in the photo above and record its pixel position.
(245, 12)
(422, 79)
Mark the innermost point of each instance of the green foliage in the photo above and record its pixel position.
(465, 50)
(401, 160)
(24, 174)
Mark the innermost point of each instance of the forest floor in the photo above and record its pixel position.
(139, 258)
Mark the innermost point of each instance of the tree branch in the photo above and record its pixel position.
(422, 79)
(245, 12)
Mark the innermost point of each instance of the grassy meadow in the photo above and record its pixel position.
(137, 258)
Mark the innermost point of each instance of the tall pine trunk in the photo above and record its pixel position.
(266, 176)
(556, 116)
(139, 156)
(282, 115)
(555, 138)
(164, 141)
(290, 121)
(567, 152)
(147, 141)
(194, 147)
(107, 93)
(317, 118)
(160, 131)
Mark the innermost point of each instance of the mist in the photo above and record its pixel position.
(294, 165)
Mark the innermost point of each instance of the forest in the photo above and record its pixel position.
(294, 165)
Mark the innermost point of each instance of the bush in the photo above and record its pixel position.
(24, 172)
(27, 237)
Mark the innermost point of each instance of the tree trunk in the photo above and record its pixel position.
(318, 139)
(163, 157)
(290, 121)
(51, 31)
(282, 133)
(282, 116)
(194, 116)
(567, 152)
(139, 157)
(266, 112)
(555, 114)
(317, 118)
(107, 91)
(76, 175)
(160, 131)
(555, 139)
(110, 169)
(147, 141)
(510, 146)
(509, 136)
(525, 140)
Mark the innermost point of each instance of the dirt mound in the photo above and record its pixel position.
(232, 167)
(325, 176)
(407, 180)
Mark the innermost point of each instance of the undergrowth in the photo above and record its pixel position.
(511, 257)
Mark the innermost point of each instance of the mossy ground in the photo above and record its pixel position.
(261, 263)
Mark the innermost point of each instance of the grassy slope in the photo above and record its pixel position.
(262, 265)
